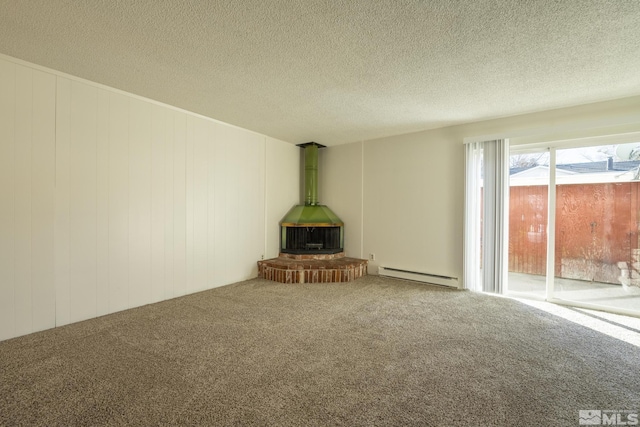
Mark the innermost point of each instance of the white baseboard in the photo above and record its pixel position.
(435, 279)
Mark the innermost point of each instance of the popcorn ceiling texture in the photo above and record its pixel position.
(339, 71)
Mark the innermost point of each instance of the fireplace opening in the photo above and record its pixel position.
(307, 240)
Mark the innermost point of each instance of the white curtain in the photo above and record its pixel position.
(472, 278)
(486, 214)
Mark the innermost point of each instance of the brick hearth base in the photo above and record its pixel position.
(289, 268)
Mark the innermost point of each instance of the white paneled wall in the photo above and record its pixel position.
(27, 146)
(282, 189)
(162, 203)
(109, 201)
(42, 200)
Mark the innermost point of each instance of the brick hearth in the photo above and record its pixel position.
(288, 268)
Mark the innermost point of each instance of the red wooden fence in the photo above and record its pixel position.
(596, 228)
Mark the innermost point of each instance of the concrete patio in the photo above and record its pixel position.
(604, 294)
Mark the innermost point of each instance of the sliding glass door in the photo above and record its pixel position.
(528, 211)
(596, 221)
(573, 226)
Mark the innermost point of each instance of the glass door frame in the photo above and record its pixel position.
(552, 148)
(531, 149)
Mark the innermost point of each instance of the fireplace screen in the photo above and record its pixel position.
(304, 240)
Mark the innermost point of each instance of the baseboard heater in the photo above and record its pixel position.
(434, 279)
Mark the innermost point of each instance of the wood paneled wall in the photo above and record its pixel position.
(109, 201)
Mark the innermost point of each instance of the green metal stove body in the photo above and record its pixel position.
(311, 228)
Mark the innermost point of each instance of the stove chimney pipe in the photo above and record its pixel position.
(311, 172)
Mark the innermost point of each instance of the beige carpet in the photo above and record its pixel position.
(372, 352)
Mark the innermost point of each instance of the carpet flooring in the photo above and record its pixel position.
(375, 351)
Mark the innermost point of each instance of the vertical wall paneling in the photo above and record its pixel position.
(251, 242)
(246, 198)
(256, 187)
(7, 198)
(282, 187)
(271, 219)
(190, 287)
(82, 202)
(158, 143)
(42, 191)
(201, 140)
(242, 200)
(238, 212)
(139, 203)
(62, 221)
(244, 203)
(235, 218)
(22, 197)
(179, 205)
(265, 205)
(213, 250)
(169, 281)
(27, 150)
(260, 203)
(109, 201)
(118, 183)
(220, 176)
(253, 238)
(102, 203)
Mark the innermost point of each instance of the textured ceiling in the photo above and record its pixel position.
(337, 71)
